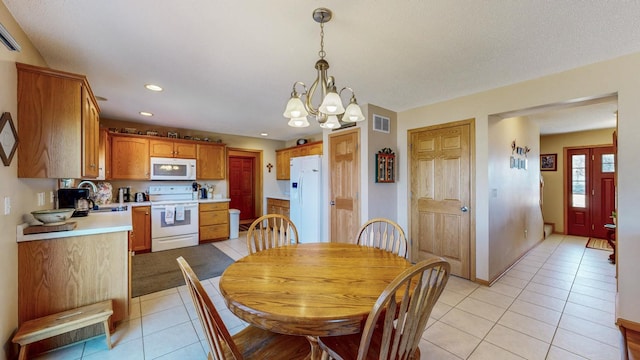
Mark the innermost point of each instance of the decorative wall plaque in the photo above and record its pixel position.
(8, 139)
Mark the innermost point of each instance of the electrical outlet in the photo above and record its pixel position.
(7, 205)
(41, 199)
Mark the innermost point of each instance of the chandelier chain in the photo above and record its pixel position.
(321, 53)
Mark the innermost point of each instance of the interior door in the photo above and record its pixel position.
(591, 195)
(440, 194)
(344, 185)
(241, 185)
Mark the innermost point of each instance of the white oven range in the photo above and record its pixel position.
(174, 217)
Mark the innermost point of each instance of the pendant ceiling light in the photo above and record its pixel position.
(331, 110)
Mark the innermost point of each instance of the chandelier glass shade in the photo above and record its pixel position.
(331, 111)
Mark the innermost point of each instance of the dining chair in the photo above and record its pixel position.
(250, 343)
(383, 234)
(270, 231)
(399, 317)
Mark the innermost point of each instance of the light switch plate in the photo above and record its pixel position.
(7, 205)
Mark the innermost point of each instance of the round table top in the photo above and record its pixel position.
(314, 289)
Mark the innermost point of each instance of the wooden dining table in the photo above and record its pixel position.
(313, 289)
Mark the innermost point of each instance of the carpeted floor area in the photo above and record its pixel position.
(599, 244)
(158, 271)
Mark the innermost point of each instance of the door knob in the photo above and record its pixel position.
(332, 202)
(464, 209)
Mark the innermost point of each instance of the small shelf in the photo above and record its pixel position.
(385, 166)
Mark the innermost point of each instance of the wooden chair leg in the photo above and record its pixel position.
(23, 353)
(107, 333)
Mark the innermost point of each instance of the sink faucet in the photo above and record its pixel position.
(94, 188)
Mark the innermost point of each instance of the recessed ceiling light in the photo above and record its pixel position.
(153, 87)
(264, 134)
(145, 113)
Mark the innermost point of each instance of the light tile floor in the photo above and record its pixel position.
(556, 303)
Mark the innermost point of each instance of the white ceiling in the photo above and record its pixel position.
(228, 66)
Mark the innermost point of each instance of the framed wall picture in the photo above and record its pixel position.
(548, 162)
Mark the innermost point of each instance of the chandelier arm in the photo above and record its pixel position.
(294, 92)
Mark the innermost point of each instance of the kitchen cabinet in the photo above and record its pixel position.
(278, 206)
(172, 148)
(104, 155)
(60, 274)
(58, 118)
(129, 157)
(210, 162)
(284, 155)
(214, 221)
(140, 235)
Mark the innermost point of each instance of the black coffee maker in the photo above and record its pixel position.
(67, 199)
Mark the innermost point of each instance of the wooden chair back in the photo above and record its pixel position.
(398, 319)
(218, 337)
(384, 234)
(270, 231)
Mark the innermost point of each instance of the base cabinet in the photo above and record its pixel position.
(140, 236)
(56, 275)
(278, 206)
(214, 221)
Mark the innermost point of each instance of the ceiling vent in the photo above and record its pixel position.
(380, 123)
(8, 40)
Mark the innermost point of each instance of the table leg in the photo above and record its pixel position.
(316, 351)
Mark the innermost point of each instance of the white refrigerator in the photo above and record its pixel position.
(305, 194)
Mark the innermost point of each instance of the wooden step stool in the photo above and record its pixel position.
(60, 323)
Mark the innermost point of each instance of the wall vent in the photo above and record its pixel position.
(381, 123)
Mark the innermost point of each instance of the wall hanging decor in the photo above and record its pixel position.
(8, 139)
(548, 162)
(385, 162)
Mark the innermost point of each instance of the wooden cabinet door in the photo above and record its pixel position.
(315, 148)
(282, 164)
(104, 155)
(49, 124)
(184, 150)
(161, 148)
(140, 235)
(90, 136)
(210, 162)
(129, 158)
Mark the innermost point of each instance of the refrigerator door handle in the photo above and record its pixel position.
(300, 187)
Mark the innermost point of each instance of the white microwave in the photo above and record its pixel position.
(172, 169)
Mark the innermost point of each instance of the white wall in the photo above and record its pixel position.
(381, 196)
(619, 76)
(515, 217)
(21, 192)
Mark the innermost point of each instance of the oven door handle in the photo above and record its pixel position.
(189, 206)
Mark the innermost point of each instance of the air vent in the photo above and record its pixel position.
(8, 40)
(380, 123)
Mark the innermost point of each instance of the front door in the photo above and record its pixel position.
(344, 185)
(591, 195)
(440, 194)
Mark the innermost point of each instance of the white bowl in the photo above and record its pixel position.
(53, 216)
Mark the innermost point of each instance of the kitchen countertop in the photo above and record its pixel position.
(94, 223)
(279, 197)
(213, 200)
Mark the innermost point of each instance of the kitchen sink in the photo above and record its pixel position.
(110, 208)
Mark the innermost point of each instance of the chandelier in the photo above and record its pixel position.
(331, 111)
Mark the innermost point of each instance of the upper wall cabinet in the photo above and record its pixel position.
(129, 157)
(58, 120)
(170, 148)
(284, 155)
(211, 162)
